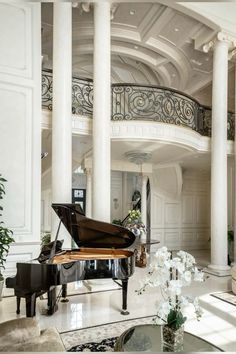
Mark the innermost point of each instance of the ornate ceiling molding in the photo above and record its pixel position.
(137, 156)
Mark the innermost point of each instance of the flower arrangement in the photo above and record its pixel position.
(134, 223)
(172, 274)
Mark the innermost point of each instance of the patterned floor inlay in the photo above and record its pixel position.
(106, 345)
(99, 333)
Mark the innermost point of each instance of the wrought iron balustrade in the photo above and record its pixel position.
(160, 104)
(82, 94)
(204, 122)
(140, 102)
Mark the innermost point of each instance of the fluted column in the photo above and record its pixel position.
(219, 258)
(144, 199)
(88, 192)
(101, 112)
(61, 114)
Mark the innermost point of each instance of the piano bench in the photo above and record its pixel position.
(24, 335)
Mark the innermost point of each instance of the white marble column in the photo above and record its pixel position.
(219, 251)
(101, 112)
(88, 192)
(61, 114)
(144, 199)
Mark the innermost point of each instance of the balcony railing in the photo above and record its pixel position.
(140, 102)
(82, 94)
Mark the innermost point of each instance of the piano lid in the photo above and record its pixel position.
(92, 233)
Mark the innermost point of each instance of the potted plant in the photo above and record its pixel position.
(5, 238)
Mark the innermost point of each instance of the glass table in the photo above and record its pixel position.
(147, 338)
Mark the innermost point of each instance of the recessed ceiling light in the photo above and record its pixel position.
(176, 29)
(131, 12)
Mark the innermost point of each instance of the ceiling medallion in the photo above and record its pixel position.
(138, 157)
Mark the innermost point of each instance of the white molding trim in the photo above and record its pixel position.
(145, 130)
(159, 131)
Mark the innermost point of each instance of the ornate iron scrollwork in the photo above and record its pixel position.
(82, 94)
(231, 126)
(82, 97)
(140, 102)
(132, 102)
(47, 89)
(205, 123)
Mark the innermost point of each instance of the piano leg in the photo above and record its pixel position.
(52, 301)
(30, 301)
(124, 297)
(64, 293)
(18, 305)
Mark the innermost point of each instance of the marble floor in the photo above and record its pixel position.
(86, 309)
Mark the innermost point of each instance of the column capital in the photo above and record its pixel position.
(225, 37)
(86, 7)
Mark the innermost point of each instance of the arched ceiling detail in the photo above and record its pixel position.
(156, 35)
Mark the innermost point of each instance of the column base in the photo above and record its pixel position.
(219, 271)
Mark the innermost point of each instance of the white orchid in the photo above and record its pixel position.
(172, 274)
(186, 277)
(174, 287)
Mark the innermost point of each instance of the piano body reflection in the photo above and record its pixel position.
(100, 254)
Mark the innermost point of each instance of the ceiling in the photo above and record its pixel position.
(151, 44)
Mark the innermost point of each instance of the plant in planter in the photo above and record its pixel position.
(5, 237)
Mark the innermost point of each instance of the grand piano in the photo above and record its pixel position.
(100, 254)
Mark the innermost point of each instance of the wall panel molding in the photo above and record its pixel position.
(20, 121)
(17, 25)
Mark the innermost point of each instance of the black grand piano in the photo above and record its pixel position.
(99, 254)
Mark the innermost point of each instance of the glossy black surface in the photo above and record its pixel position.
(34, 278)
(40, 276)
(92, 233)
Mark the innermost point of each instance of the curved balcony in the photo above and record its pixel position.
(140, 102)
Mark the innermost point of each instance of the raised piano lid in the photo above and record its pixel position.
(92, 233)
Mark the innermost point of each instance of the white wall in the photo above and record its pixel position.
(20, 122)
(182, 222)
(120, 203)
